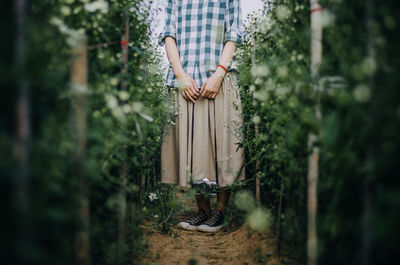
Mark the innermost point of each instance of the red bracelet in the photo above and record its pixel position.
(223, 68)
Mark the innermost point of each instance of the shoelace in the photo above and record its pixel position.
(214, 218)
(197, 217)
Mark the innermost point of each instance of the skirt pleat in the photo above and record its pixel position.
(203, 142)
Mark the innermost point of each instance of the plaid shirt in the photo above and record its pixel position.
(201, 28)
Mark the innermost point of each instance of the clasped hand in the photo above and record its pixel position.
(209, 89)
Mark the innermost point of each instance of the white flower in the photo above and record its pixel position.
(100, 5)
(111, 101)
(259, 219)
(96, 114)
(362, 93)
(65, 10)
(73, 35)
(123, 95)
(260, 70)
(282, 71)
(256, 119)
(137, 106)
(77, 10)
(368, 66)
(269, 85)
(152, 196)
(244, 201)
(281, 91)
(283, 12)
(118, 113)
(265, 25)
(261, 95)
(114, 81)
(101, 55)
(258, 81)
(126, 108)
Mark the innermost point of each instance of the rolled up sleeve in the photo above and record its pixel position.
(234, 22)
(170, 23)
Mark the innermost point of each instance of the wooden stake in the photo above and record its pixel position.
(124, 170)
(23, 133)
(279, 245)
(78, 91)
(370, 154)
(313, 160)
(253, 62)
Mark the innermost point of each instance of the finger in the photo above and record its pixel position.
(202, 88)
(194, 92)
(209, 93)
(195, 87)
(189, 96)
(189, 92)
(184, 95)
(206, 92)
(216, 94)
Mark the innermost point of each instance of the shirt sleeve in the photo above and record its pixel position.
(170, 22)
(234, 22)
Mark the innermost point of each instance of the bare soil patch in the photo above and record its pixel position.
(232, 245)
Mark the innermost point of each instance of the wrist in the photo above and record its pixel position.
(179, 73)
(220, 71)
(223, 67)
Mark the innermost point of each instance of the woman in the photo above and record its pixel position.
(200, 38)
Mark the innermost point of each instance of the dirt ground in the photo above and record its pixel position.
(233, 245)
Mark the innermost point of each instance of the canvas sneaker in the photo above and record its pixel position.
(214, 223)
(193, 222)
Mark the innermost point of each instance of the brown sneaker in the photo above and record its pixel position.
(194, 221)
(214, 223)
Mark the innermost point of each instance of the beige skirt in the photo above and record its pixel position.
(203, 140)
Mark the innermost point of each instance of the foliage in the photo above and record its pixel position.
(123, 126)
(161, 206)
(276, 100)
(356, 89)
(357, 95)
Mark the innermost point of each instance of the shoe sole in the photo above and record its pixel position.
(187, 226)
(206, 228)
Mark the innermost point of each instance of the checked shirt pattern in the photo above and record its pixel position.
(201, 28)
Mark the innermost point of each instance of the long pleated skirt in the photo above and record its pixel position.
(203, 139)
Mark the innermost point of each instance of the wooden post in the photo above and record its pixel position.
(370, 154)
(256, 132)
(124, 170)
(78, 92)
(23, 132)
(279, 237)
(313, 159)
